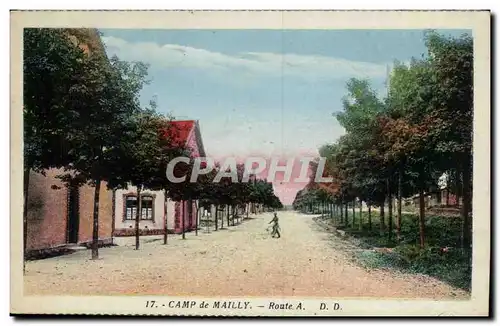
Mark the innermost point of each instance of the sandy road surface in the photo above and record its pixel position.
(240, 261)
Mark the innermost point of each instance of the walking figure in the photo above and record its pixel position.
(275, 226)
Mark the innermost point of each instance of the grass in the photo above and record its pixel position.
(442, 256)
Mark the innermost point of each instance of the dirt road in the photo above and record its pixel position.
(240, 261)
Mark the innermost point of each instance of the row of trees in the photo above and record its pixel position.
(399, 145)
(82, 114)
(223, 188)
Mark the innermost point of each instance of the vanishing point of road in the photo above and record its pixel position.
(242, 261)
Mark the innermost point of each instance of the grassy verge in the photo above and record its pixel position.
(442, 257)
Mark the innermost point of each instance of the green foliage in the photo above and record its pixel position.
(262, 192)
(360, 106)
(108, 118)
(227, 192)
(400, 145)
(53, 68)
(441, 258)
(80, 110)
(452, 267)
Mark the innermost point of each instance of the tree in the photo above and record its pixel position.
(409, 144)
(452, 62)
(52, 67)
(143, 154)
(76, 108)
(402, 144)
(360, 159)
(106, 103)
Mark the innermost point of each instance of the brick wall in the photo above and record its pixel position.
(47, 211)
(87, 213)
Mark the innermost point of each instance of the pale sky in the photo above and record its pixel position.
(262, 92)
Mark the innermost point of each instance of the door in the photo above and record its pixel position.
(73, 214)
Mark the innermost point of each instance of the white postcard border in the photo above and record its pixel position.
(477, 21)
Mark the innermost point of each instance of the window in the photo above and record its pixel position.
(130, 207)
(147, 207)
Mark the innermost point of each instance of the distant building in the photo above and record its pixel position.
(155, 208)
(440, 197)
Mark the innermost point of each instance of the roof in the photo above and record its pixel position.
(178, 131)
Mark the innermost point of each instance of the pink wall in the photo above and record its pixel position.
(181, 208)
(192, 143)
(48, 211)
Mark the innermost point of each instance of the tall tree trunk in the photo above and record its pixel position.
(228, 214)
(398, 216)
(184, 212)
(208, 217)
(224, 213)
(137, 216)
(26, 183)
(467, 203)
(370, 217)
(421, 217)
(360, 215)
(165, 227)
(197, 216)
(95, 229)
(341, 209)
(458, 192)
(189, 215)
(113, 209)
(247, 208)
(382, 218)
(222, 219)
(389, 222)
(346, 215)
(216, 218)
(353, 212)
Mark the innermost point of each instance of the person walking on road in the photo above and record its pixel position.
(276, 227)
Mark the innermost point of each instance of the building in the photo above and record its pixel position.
(442, 196)
(59, 217)
(156, 210)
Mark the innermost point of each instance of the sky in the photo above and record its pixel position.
(270, 93)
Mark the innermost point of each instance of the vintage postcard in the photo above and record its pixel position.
(250, 163)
